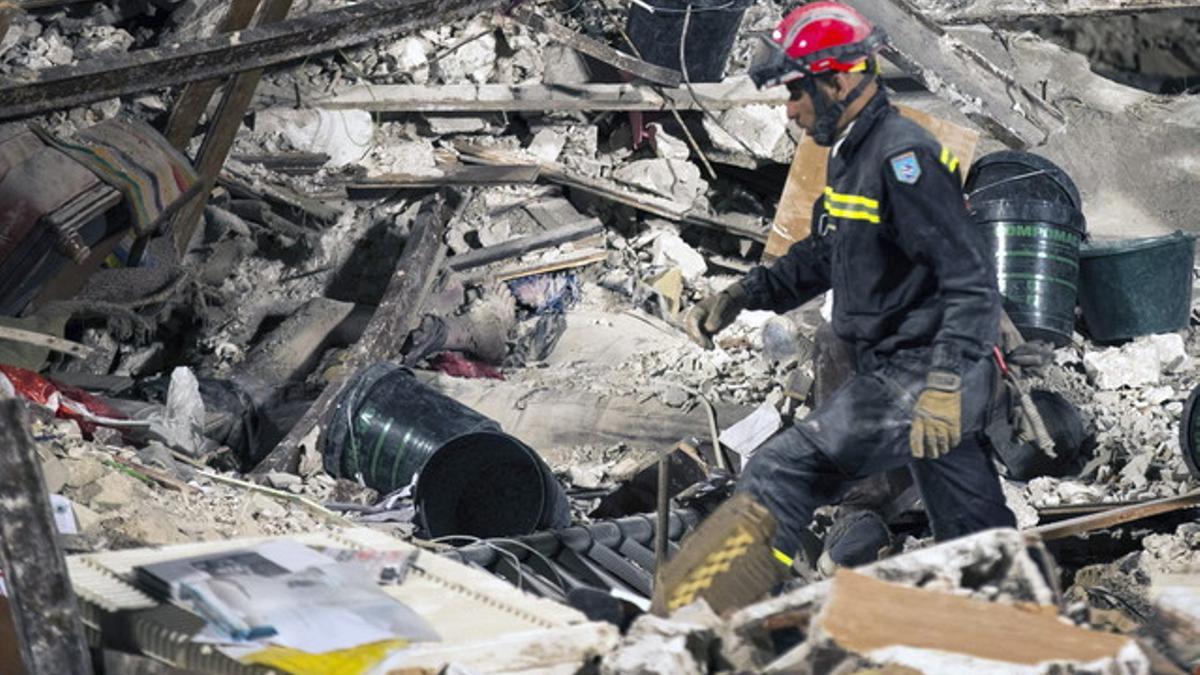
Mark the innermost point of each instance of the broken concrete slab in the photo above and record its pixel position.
(763, 129)
(450, 125)
(1137, 364)
(563, 65)
(654, 645)
(547, 144)
(580, 418)
(670, 250)
(995, 566)
(474, 60)
(677, 180)
(410, 158)
(410, 56)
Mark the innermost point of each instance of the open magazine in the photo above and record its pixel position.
(284, 593)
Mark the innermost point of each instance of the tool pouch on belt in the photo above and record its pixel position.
(1015, 422)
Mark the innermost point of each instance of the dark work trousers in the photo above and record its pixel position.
(863, 430)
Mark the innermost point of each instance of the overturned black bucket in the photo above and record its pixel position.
(1136, 287)
(656, 28)
(1031, 212)
(472, 478)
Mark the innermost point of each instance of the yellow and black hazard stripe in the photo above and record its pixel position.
(851, 207)
(719, 562)
(948, 159)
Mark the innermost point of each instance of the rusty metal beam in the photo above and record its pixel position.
(222, 55)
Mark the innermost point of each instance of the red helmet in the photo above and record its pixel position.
(820, 37)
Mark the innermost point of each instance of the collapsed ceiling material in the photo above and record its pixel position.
(399, 287)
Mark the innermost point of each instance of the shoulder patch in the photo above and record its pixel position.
(907, 168)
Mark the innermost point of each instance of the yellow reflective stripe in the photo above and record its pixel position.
(851, 199)
(949, 159)
(860, 68)
(851, 215)
(718, 562)
(782, 557)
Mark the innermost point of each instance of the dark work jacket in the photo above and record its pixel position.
(892, 238)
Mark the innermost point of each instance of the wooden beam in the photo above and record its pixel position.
(51, 342)
(652, 204)
(457, 175)
(303, 208)
(195, 97)
(737, 92)
(566, 262)
(45, 610)
(397, 315)
(956, 72)
(1008, 11)
(173, 64)
(1116, 516)
(221, 134)
(865, 614)
(596, 49)
(522, 245)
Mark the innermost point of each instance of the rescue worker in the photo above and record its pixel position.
(913, 292)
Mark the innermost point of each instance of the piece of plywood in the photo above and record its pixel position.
(865, 614)
(806, 180)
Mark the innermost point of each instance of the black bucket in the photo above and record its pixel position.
(472, 478)
(1036, 244)
(712, 30)
(1137, 287)
(1012, 174)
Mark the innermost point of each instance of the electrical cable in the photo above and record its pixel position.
(687, 81)
(562, 583)
(1010, 179)
(708, 167)
(512, 557)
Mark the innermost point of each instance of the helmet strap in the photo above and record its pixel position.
(829, 111)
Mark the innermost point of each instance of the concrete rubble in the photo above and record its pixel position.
(218, 351)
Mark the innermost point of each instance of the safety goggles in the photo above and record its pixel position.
(771, 66)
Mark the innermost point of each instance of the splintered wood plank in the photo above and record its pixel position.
(195, 97)
(737, 92)
(605, 189)
(865, 614)
(51, 342)
(219, 140)
(1117, 516)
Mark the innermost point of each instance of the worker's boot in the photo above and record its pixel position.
(728, 561)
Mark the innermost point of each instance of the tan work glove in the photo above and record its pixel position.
(937, 418)
(714, 314)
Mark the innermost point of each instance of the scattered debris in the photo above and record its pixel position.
(514, 210)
